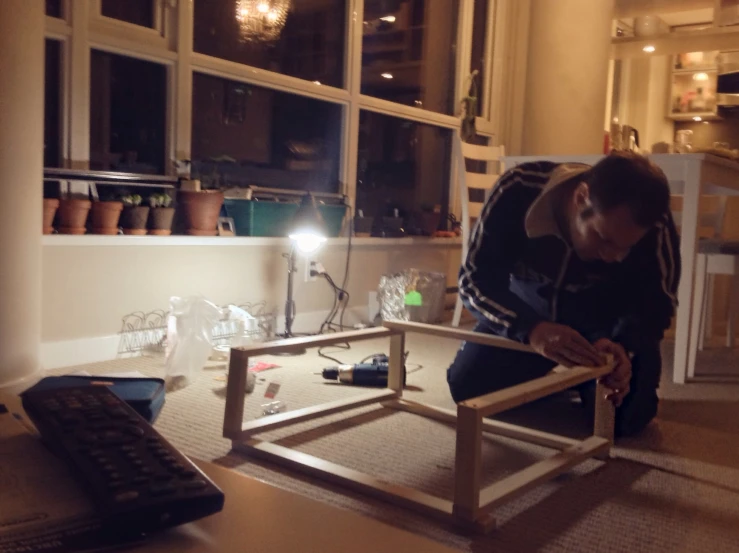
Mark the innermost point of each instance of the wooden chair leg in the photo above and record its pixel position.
(710, 287)
(467, 465)
(699, 311)
(605, 418)
(733, 307)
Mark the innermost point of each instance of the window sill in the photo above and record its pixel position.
(123, 240)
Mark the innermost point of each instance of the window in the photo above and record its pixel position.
(249, 135)
(52, 104)
(138, 12)
(402, 165)
(127, 114)
(54, 8)
(408, 50)
(309, 46)
(479, 46)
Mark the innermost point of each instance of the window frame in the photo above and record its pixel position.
(171, 44)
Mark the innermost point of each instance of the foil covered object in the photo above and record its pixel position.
(394, 288)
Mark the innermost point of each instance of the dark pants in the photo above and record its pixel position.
(478, 370)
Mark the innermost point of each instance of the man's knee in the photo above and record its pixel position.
(640, 405)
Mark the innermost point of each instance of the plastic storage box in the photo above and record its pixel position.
(265, 218)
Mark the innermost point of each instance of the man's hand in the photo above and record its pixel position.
(564, 345)
(618, 380)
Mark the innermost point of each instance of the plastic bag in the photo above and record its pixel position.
(412, 295)
(189, 338)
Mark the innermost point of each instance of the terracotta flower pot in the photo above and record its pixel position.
(105, 216)
(50, 207)
(161, 221)
(201, 211)
(134, 219)
(73, 215)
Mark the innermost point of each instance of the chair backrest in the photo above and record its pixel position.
(710, 217)
(468, 181)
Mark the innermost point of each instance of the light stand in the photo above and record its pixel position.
(307, 231)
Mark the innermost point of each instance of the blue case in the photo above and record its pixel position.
(145, 395)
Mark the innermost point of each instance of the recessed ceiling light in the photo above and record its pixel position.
(387, 75)
(649, 48)
(697, 118)
(700, 76)
(388, 18)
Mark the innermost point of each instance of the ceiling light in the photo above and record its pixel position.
(649, 48)
(388, 19)
(387, 75)
(261, 20)
(262, 7)
(700, 76)
(697, 118)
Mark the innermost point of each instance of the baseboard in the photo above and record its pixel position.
(81, 351)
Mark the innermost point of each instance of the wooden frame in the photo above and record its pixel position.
(471, 506)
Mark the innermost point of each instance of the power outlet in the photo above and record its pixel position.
(312, 265)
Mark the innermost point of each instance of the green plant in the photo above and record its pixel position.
(132, 200)
(159, 200)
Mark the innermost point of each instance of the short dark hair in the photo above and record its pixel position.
(630, 179)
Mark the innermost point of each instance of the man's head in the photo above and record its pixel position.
(614, 205)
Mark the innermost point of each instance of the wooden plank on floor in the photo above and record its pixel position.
(520, 394)
(467, 464)
(520, 482)
(233, 416)
(297, 344)
(457, 334)
(528, 435)
(280, 420)
(337, 474)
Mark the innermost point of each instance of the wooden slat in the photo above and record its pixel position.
(474, 209)
(457, 334)
(394, 493)
(502, 400)
(449, 416)
(467, 463)
(482, 153)
(480, 181)
(307, 413)
(520, 482)
(396, 372)
(235, 391)
(296, 344)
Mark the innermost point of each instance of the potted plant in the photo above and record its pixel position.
(201, 209)
(50, 207)
(161, 214)
(134, 215)
(429, 219)
(73, 211)
(105, 216)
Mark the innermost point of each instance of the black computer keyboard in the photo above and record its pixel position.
(138, 481)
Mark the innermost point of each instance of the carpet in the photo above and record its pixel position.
(674, 488)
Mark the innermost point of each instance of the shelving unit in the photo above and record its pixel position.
(693, 87)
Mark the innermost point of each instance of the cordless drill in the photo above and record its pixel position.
(374, 373)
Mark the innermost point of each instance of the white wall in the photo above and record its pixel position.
(91, 282)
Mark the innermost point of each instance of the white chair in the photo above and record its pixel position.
(715, 257)
(468, 181)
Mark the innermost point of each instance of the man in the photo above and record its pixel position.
(578, 262)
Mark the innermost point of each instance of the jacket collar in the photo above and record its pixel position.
(540, 219)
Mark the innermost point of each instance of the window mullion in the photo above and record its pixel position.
(183, 82)
(79, 86)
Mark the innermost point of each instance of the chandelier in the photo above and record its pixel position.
(261, 20)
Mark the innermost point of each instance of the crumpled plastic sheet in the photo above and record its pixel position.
(394, 287)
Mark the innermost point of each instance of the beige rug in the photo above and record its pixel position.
(675, 488)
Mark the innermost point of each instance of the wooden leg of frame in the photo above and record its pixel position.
(396, 372)
(467, 465)
(605, 418)
(235, 391)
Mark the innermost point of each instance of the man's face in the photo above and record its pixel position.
(607, 236)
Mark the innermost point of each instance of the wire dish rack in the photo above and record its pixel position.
(147, 331)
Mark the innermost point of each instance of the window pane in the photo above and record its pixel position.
(138, 12)
(408, 51)
(54, 8)
(248, 135)
(52, 104)
(127, 114)
(479, 43)
(309, 46)
(402, 165)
